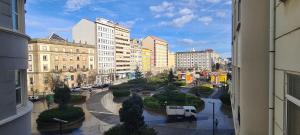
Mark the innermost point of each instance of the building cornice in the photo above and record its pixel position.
(21, 111)
(10, 31)
(47, 41)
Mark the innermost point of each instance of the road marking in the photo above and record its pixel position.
(102, 112)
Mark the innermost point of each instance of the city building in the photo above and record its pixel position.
(265, 90)
(171, 60)
(15, 110)
(159, 58)
(112, 43)
(122, 40)
(146, 60)
(200, 60)
(72, 63)
(135, 55)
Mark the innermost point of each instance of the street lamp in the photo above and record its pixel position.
(61, 122)
(213, 103)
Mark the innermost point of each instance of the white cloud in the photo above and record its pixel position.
(74, 5)
(179, 21)
(187, 41)
(130, 23)
(228, 2)
(206, 20)
(164, 6)
(213, 1)
(221, 13)
(185, 11)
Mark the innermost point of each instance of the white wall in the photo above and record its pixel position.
(85, 32)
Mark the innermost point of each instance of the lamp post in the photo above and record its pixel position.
(213, 103)
(61, 122)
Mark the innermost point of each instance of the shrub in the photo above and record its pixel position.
(75, 99)
(121, 130)
(202, 91)
(121, 93)
(180, 83)
(171, 87)
(152, 103)
(68, 113)
(225, 98)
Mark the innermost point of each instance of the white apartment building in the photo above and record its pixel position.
(201, 60)
(265, 90)
(136, 55)
(113, 47)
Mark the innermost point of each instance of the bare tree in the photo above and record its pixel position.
(91, 77)
(53, 78)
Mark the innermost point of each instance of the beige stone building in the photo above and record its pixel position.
(55, 56)
(265, 90)
(171, 60)
(122, 39)
(159, 48)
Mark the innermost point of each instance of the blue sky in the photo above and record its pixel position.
(185, 24)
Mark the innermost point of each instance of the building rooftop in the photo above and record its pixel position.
(157, 38)
(194, 51)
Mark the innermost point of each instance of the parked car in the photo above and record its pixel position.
(76, 89)
(86, 87)
(181, 112)
(33, 98)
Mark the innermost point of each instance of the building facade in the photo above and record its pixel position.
(112, 43)
(136, 55)
(122, 39)
(171, 60)
(159, 58)
(201, 60)
(69, 62)
(15, 110)
(265, 50)
(146, 60)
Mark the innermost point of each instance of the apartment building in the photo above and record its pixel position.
(15, 110)
(159, 48)
(171, 60)
(112, 43)
(146, 60)
(201, 60)
(122, 40)
(71, 63)
(265, 90)
(135, 55)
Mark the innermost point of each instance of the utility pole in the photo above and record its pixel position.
(213, 103)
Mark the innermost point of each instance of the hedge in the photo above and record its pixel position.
(225, 98)
(201, 91)
(121, 93)
(77, 99)
(68, 114)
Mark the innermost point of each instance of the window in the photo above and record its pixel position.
(78, 58)
(45, 58)
(45, 67)
(30, 67)
(18, 83)
(30, 58)
(293, 105)
(77, 50)
(56, 67)
(72, 77)
(46, 81)
(78, 66)
(31, 80)
(15, 15)
(91, 66)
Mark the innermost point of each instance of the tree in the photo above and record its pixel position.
(148, 74)
(79, 79)
(138, 74)
(92, 77)
(131, 113)
(171, 76)
(62, 96)
(53, 78)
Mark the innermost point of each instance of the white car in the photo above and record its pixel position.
(76, 89)
(33, 98)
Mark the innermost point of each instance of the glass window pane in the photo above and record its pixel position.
(18, 86)
(293, 122)
(294, 86)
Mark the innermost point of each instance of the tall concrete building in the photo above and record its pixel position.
(55, 56)
(15, 110)
(159, 48)
(146, 60)
(201, 60)
(265, 90)
(122, 40)
(135, 55)
(113, 47)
